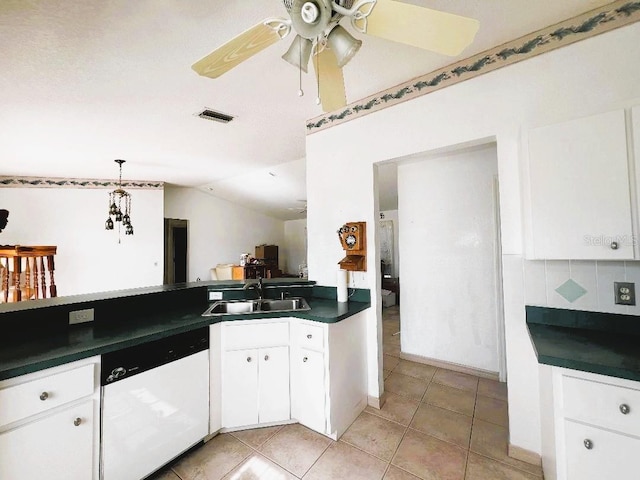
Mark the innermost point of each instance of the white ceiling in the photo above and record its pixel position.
(83, 82)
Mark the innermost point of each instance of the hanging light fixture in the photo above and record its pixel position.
(119, 207)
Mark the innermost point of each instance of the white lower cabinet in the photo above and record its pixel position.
(595, 453)
(593, 431)
(308, 390)
(49, 426)
(56, 447)
(255, 381)
(255, 386)
(270, 371)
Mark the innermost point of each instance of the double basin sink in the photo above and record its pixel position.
(238, 307)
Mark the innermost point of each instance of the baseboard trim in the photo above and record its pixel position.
(524, 455)
(377, 402)
(450, 366)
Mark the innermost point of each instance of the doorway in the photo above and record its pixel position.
(175, 250)
(449, 257)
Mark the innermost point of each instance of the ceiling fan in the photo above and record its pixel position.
(320, 35)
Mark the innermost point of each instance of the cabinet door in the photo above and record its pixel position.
(607, 455)
(308, 388)
(53, 447)
(273, 385)
(579, 188)
(240, 388)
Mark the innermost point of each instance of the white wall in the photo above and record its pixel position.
(219, 231)
(446, 216)
(294, 252)
(89, 258)
(392, 215)
(590, 76)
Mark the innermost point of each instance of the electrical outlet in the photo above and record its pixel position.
(625, 293)
(81, 316)
(215, 296)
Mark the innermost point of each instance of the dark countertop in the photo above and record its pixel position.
(36, 352)
(607, 344)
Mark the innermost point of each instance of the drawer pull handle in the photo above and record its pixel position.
(624, 409)
(266, 357)
(305, 359)
(588, 444)
(249, 359)
(77, 422)
(309, 336)
(44, 396)
(614, 245)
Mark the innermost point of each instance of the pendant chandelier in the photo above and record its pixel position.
(119, 207)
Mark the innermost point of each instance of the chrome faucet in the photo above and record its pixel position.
(257, 286)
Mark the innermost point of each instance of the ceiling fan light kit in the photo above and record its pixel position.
(343, 45)
(299, 53)
(320, 36)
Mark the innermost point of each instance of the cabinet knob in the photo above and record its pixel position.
(588, 444)
(266, 357)
(44, 396)
(304, 359)
(624, 409)
(248, 359)
(614, 245)
(77, 421)
(309, 336)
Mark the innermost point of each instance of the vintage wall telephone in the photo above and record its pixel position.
(353, 237)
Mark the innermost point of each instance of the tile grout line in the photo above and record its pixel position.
(318, 459)
(473, 417)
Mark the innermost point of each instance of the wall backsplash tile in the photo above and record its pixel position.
(584, 273)
(557, 273)
(535, 283)
(543, 278)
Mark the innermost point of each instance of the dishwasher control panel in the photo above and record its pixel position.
(130, 361)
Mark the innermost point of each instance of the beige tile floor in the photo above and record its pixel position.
(436, 424)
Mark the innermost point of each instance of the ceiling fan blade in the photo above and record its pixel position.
(421, 27)
(242, 47)
(331, 81)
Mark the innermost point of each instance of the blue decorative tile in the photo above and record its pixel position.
(571, 291)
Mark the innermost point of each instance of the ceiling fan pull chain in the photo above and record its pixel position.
(300, 91)
(318, 100)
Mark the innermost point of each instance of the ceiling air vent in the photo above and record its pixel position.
(209, 114)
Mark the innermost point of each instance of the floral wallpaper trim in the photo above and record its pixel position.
(41, 182)
(603, 19)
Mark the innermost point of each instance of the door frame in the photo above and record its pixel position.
(169, 246)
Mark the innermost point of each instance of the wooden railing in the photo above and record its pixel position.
(27, 273)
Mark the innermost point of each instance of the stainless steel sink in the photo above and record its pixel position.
(286, 305)
(238, 307)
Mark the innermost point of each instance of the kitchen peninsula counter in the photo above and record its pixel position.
(39, 337)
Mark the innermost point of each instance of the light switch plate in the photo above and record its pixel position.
(81, 316)
(625, 293)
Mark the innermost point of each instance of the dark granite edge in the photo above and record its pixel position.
(589, 367)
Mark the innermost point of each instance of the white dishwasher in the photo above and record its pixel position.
(155, 404)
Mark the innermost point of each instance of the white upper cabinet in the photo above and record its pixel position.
(580, 198)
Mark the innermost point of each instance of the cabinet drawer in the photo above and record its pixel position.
(240, 337)
(26, 399)
(594, 453)
(602, 404)
(305, 335)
